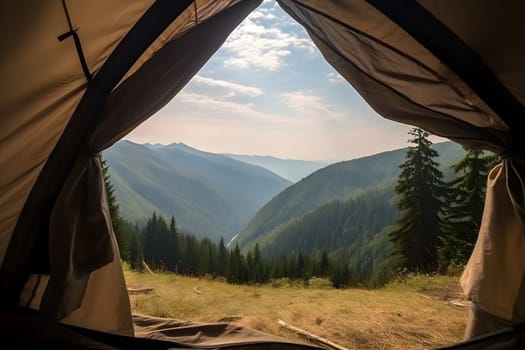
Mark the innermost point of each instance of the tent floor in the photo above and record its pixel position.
(29, 329)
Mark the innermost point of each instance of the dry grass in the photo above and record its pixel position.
(409, 314)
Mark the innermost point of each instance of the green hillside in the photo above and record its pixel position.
(332, 225)
(210, 195)
(343, 181)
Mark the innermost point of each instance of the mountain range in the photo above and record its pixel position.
(209, 194)
(237, 198)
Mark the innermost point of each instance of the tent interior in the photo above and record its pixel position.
(80, 75)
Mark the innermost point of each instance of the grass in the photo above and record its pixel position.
(409, 313)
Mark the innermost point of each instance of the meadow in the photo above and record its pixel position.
(411, 312)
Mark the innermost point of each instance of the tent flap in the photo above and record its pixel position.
(455, 70)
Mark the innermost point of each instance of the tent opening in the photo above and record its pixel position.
(267, 98)
(80, 77)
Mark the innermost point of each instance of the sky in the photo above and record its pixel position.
(269, 91)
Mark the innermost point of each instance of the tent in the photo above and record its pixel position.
(79, 75)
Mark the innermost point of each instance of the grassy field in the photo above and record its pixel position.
(418, 312)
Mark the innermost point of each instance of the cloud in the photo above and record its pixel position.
(312, 106)
(199, 106)
(262, 14)
(335, 77)
(256, 45)
(233, 87)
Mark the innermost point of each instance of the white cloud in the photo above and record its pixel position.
(306, 104)
(335, 77)
(262, 14)
(233, 87)
(254, 45)
(201, 106)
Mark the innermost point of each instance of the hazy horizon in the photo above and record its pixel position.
(269, 155)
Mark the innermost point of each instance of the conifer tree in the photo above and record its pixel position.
(119, 227)
(340, 275)
(324, 264)
(236, 267)
(464, 209)
(421, 189)
(135, 253)
(174, 246)
(222, 259)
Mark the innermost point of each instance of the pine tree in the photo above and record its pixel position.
(222, 259)
(236, 267)
(324, 264)
(135, 254)
(174, 246)
(340, 275)
(421, 189)
(119, 227)
(260, 275)
(464, 208)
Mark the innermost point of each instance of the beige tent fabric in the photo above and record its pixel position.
(200, 11)
(381, 49)
(75, 250)
(105, 306)
(209, 335)
(42, 82)
(494, 278)
(494, 30)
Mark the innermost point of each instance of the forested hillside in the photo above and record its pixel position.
(332, 225)
(343, 181)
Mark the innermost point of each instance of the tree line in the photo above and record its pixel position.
(435, 231)
(161, 246)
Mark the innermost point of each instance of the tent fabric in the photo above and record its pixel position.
(23, 328)
(43, 83)
(383, 62)
(33, 224)
(39, 109)
(494, 31)
(209, 335)
(498, 233)
(442, 68)
(511, 337)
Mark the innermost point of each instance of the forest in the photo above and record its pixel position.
(419, 224)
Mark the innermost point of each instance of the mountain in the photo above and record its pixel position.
(291, 169)
(208, 194)
(339, 181)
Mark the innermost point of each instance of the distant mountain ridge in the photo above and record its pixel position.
(208, 194)
(291, 169)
